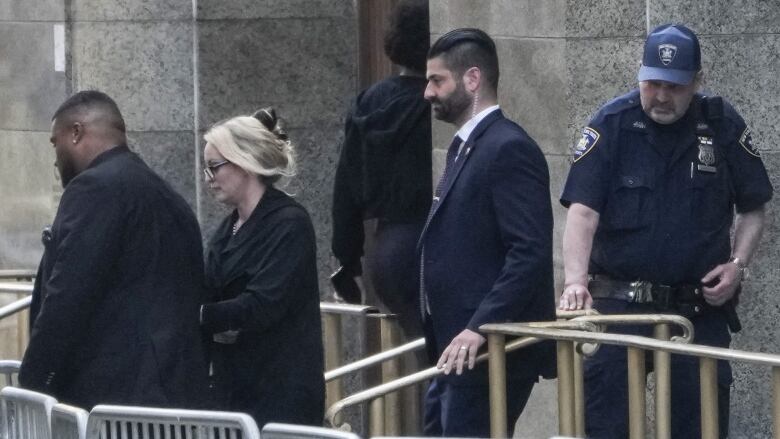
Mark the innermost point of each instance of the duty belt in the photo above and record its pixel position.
(683, 299)
(664, 297)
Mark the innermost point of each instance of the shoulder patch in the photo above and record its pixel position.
(589, 139)
(746, 140)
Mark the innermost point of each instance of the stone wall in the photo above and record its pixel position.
(562, 59)
(175, 67)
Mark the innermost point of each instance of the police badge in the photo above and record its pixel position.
(746, 140)
(588, 140)
(706, 155)
(666, 53)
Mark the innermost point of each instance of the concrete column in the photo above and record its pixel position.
(297, 56)
(141, 54)
(32, 82)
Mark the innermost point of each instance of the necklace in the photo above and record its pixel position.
(236, 226)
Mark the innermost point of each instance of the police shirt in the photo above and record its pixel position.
(665, 194)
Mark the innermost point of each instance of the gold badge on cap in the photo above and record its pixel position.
(706, 155)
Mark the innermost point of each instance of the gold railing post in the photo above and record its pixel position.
(377, 417)
(579, 395)
(497, 367)
(566, 423)
(391, 370)
(636, 393)
(331, 333)
(776, 402)
(663, 385)
(708, 379)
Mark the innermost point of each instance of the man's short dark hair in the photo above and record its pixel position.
(408, 34)
(464, 48)
(90, 99)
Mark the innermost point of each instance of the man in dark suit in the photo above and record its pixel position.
(115, 305)
(486, 249)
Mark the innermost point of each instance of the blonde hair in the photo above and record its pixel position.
(257, 144)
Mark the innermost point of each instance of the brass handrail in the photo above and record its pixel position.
(16, 287)
(636, 345)
(641, 319)
(374, 359)
(347, 309)
(332, 414)
(18, 274)
(15, 307)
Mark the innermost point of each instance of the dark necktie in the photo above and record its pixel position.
(452, 154)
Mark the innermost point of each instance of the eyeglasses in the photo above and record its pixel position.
(209, 170)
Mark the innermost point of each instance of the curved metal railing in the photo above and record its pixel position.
(637, 346)
(580, 320)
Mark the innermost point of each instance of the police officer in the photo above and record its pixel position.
(651, 194)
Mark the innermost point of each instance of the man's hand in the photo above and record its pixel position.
(575, 296)
(728, 277)
(462, 348)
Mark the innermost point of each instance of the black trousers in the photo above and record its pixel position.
(606, 378)
(457, 410)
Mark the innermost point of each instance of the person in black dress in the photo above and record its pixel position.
(267, 354)
(384, 172)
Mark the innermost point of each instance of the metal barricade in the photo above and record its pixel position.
(26, 414)
(290, 431)
(9, 369)
(124, 422)
(637, 346)
(68, 422)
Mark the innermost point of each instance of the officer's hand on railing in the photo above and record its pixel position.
(462, 348)
(575, 296)
(726, 278)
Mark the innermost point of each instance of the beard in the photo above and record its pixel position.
(66, 170)
(450, 108)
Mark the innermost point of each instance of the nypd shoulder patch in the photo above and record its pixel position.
(746, 140)
(589, 139)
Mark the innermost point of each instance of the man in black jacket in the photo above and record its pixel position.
(115, 305)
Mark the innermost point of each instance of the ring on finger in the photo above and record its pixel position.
(464, 348)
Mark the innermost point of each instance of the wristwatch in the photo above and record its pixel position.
(743, 268)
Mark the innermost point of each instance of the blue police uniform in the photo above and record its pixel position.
(666, 196)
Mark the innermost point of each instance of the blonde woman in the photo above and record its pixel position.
(261, 266)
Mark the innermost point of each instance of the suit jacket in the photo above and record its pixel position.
(488, 242)
(115, 305)
(265, 286)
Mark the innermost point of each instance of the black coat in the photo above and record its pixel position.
(488, 243)
(115, 304)
(265, 280)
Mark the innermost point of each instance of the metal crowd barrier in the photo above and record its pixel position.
(290, 431)
(68, 422)
(124, 422)
(9, 369)
(568, 339)
(26, 414)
